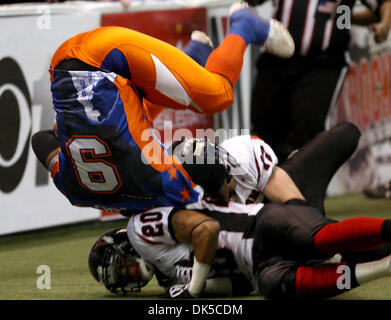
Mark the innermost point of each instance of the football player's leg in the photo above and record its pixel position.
(327, 280)
(276, 277)
(199, 47)
(280, 278)
(160, 73)
(329, 150)
(367, 255)
(353, 234)
(168, 77)
(287, 230)
(246, 23)
(301, 231)
(247, 27)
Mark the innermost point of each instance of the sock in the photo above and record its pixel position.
(227, 59)
(199, 52)
(368, 271)
(249, 26)
(323, 281)
(198, 278)
(354, 234)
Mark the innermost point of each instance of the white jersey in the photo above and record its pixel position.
(150, 235)
(256, 161)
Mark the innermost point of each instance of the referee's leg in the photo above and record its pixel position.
(269, 117)
(311, 97)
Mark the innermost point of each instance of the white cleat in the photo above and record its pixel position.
(201, 37)
(279, 42)
(237, 6)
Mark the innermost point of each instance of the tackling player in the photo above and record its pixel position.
(295, 222)
(109, 84)
(279, 250)
(253, 165)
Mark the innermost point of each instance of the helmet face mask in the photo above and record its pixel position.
(202, 151)
(208, 164)
(115, 264)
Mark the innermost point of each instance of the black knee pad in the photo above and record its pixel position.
(43, 143)
(278, 280)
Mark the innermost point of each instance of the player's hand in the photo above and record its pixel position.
(380, 31)
(178, 291)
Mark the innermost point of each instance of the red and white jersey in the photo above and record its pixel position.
(256, 161)
(150, 235)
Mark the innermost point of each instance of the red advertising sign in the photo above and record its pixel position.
(171, 26)
(365, 98)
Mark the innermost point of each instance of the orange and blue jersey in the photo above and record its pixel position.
(105, 118)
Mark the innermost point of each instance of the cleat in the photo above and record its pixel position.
(237, 6)
(199, 48)
(201, 37)
(246, 23)
(279, 42)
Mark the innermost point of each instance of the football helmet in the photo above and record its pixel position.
(115, 264)
(207, 163)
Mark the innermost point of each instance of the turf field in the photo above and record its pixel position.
(65, 251)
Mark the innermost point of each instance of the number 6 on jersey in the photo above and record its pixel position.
(93, 172)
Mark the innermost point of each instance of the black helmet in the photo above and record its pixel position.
(206, 163)
(115, 264)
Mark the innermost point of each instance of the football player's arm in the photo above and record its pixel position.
(273, 181)
(46, 147)
(202, 232)
(281, 188)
